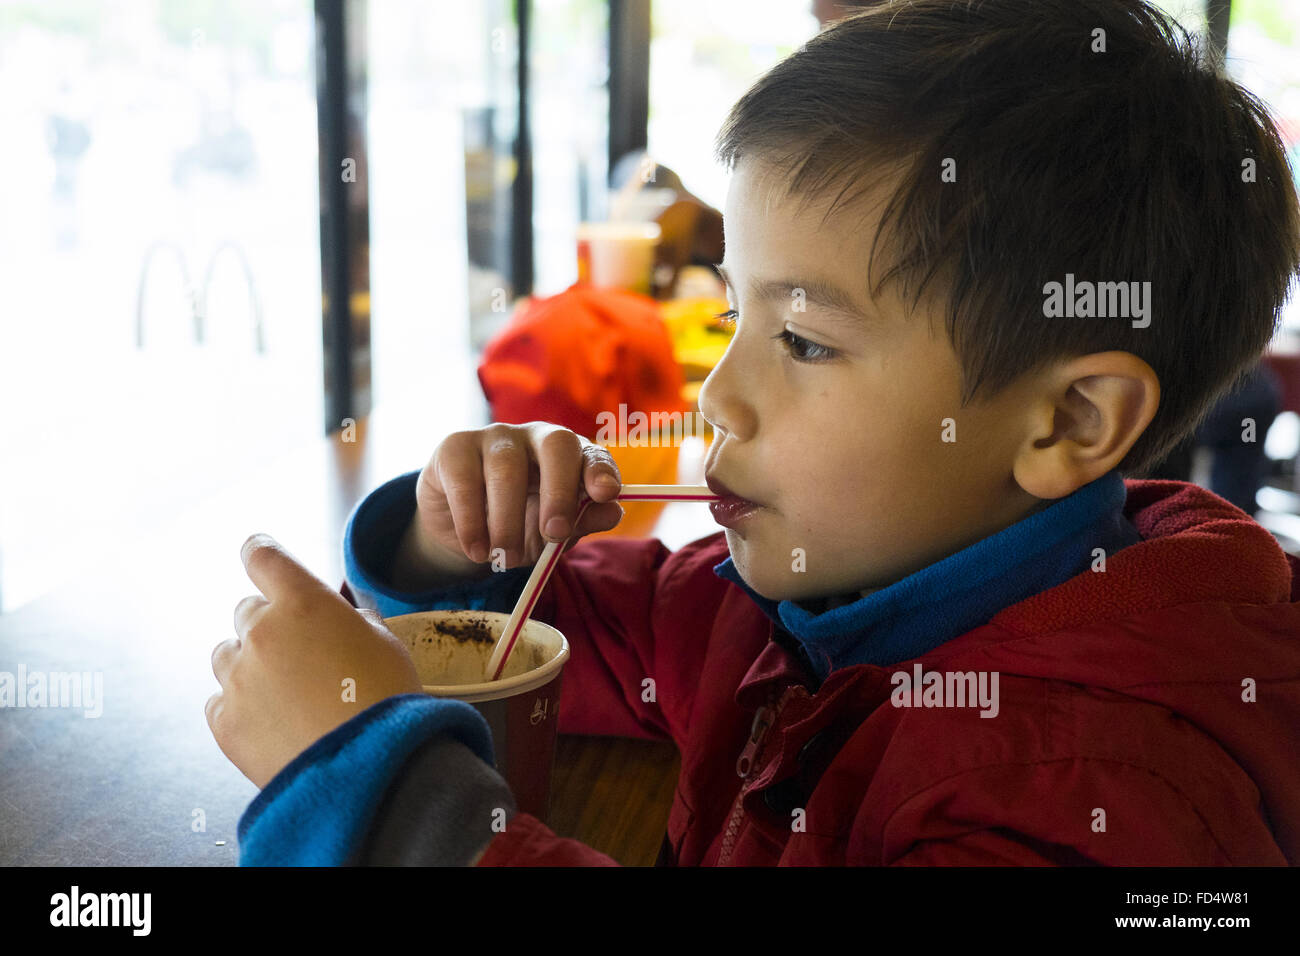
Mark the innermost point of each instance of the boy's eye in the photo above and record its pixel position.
(800, 349)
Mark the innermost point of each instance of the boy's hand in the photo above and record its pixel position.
(513, 487)
(283, 679)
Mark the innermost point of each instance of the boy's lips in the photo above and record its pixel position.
(719, 488)
(730, 510)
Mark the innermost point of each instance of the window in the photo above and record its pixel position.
(161, 328)
(703, 56)
(570, 118)
(1264, 56)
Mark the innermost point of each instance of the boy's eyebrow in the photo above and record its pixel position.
(835, 300)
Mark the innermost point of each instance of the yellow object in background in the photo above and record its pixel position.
(698, 336)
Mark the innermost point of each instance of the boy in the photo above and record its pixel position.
(986, 259)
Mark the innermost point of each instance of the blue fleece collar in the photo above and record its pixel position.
(962, 591)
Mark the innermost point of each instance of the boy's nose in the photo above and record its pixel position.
(723, 404)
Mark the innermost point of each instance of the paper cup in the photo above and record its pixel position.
(451, 651)
(618, 254)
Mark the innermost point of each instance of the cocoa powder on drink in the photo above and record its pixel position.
(468, 630)
(479, 631)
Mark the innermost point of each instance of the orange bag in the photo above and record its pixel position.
(570, 357)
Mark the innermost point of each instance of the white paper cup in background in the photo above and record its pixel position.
(451, 651)
(618, 254)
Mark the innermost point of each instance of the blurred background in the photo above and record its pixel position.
(228, 229)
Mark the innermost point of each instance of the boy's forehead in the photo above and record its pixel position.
(763, 220)
(761, 190)
(772, 236)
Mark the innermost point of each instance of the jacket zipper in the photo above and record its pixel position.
(764, 718)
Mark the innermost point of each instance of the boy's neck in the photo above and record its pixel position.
(821, 605)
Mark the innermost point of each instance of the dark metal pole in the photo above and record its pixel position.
(629, 77)
(344, 208)
(521, 232)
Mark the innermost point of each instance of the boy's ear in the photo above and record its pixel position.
(1082, 420)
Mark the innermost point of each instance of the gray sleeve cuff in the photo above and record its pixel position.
(444, 806)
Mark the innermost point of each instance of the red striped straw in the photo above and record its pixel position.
(666, 493)
(551, 557)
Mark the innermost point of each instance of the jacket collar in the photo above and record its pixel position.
(954, 595)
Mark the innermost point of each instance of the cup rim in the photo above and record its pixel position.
(497, 689)
(620, 230)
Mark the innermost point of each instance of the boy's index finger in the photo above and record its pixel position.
(274, 571)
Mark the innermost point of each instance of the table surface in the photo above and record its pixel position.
(144, 783)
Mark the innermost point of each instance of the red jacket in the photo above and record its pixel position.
(1148, 714)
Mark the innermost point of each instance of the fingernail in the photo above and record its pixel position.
(609, 481)
(251, 541)
(557, 529)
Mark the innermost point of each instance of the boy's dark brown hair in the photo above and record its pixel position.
(1116, 156)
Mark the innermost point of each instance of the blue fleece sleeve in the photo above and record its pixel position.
(318, 809)
(370, 541)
